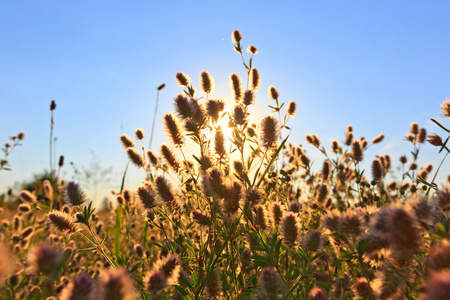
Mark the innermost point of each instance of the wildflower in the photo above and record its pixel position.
(378, 139)
(52, 105)
(48, 189)
(27, 232)
(213, 285)
(147, 195)
(377, 169)
(61, 221)
(362, 289)
(116, 284)
(351, 222)
(61, 161)
(167, 195)
(182, 79)
(206, 83)
(326, 170)
(236, 86)
(421, 137)
(414, 128)
(230, 204)
(73, 194)
(254, 79)
(24, 207)
(173, 129)
(335, 146)
(357, 153)
(127, 142)
(21, 136)
(271, 283)
(322, 192)
(236, 36)
(246, 260)
(81, 288)
(135, 157)
(291, 108)
(389, 283)
(260, 218)
(439, 259)
(139, 133)
(331, 220)
(317, 294)
(44, 259)
(248, 98)
(446, 107)
(269, 131)
(348, 138)
(238, 167)
(313, 240)
(214, 107)
(155, 281)
(170, 158)
(200, 217)
(182, 107)
(253, 50)
(290, 229)
(277, 213)
(152, 157)
(403, 233)
(313, 140)
(170, 268)
(435, 140)
(403, 159)
(273, 93)
(27, 197)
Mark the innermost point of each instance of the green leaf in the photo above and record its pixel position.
(347, 255)
(136, 266)
(362, 246)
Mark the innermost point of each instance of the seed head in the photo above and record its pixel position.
(61, 161)
(7, 262)
(182, 107)
(73, 194)
(167, 195)
(21, 136)
(269, 131)
(322, 192)
(313, 240)
(170, 158)
(357, 153)
(155, 281)
(254, 79)
(236, 36)
(116, 284)
(253, 197)
(377, 169)
(422, 136)
(271, 283)
(127, 142)
(326, 170)
(213, 285)
(147, 195)
(182, 79)
(277, 213)
(206, 83)
(200, 217)
(335, 146)
(246, 260)
(317, 294)
(348, 138)
(152, 157)
(435, 140)
(414, 128)
(361, 289)
(61, 221)
(82, 288)
(446, 107)
(135, 157)
(240, 114)
(273, 93)
(214, 107)
(44, 259)
(27, 197)
(139, 133)
(236, 86)
(52, 105)
(252, 50)
(248, 98)
(230, 204)
(378, 139)
(170, 268)
(291, 108)
(173, 129)
(260, 218)
(290, 228)
(438, 283)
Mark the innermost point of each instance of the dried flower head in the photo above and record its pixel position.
(446, 107)
(414, 128)
(377, 169)
(291, 108)
(167, 195)
(422, 136)
(147, 195)
(173, 129)
(290, 228)
(248, 98)
(127, 142)
(73, 194)
(357, 152)
(236, 86)
(81, 288)
(44, 259)
(7, 262)
(214, 107)
(335, 146)
(254, 79)
(201, 218)
(48, 189)
(182, 79)
(139, 133)
(61, 221)
(152, 157)
(269, 131)
(206, 83)
(240, 114)
(116, 284)
(27, 197)
(236, 36)
(326, 170)
(253, 50)
(213, 285)
(52, 105)
(277, 213)
(317, 294)
(435, 140)
(135, 157)
(271, 283)
(170, 268)
(313, 240)
(378, 139)
(170, 157)
(438, 283)
(231, 198)
(273, 93)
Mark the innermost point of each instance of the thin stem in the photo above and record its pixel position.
(154, 119)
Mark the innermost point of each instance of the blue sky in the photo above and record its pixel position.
(378, 65)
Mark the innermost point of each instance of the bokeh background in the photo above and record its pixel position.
(377, 65)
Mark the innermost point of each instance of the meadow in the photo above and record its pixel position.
(230, 209)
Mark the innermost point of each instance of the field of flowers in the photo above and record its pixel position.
(232, 210)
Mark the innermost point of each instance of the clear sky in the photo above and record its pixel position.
(378, 65)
